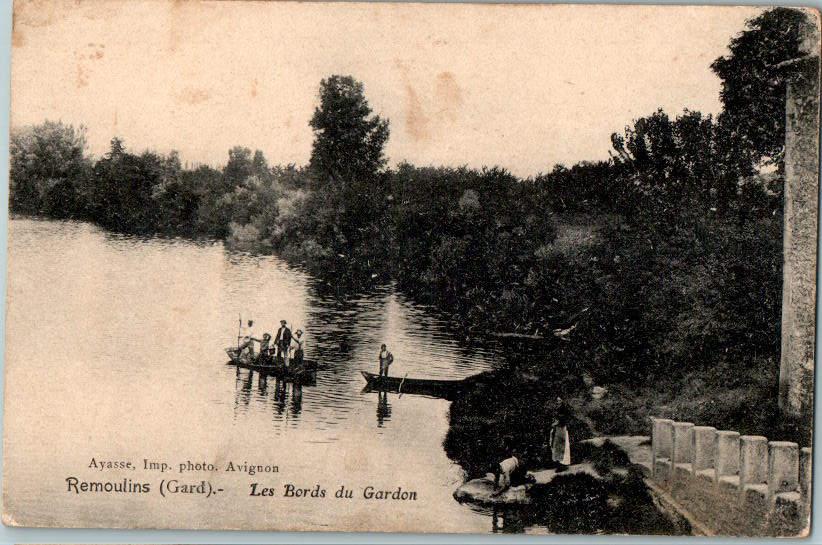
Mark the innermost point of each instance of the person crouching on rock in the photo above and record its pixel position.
(560, 440)
(507, 470)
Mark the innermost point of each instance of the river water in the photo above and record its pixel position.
(115, 351)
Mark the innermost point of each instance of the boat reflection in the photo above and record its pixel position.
(285, 388)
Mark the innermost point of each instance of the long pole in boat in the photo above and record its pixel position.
(239, 329)
(399, 388)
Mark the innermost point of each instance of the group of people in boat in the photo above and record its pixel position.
(280, 350)
(513, 472)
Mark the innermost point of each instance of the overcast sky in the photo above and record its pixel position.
(523, 87)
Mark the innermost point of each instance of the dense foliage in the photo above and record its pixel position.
(753, 88)
(677, 269)
(48, 170)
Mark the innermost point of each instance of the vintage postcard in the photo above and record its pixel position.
(411, 267)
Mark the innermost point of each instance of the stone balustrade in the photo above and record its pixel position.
(734, 485)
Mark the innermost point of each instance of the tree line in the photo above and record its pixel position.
(684, 273)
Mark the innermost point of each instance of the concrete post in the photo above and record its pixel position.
(662, 446)
(783, 467)
(753, 460)
(753, 476)
(704, 450)
(683, 443)
(805, 461)
(787, 517)
(727, 456)
(663, 437)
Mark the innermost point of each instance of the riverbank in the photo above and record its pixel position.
(603, 492)
(512, 408)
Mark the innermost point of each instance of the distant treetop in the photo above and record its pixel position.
(348, 140)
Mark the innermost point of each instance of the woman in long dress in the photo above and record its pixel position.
(560, 440)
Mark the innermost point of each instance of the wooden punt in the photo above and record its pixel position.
(445, 389)
(273, 367)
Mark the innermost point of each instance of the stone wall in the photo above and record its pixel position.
(731, 484)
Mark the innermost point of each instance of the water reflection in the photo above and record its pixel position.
(124, 290)
(279, 396)
(296, 399)
(284, 389)
(507, 521)
(383, 408)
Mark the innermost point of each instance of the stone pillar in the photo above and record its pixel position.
(753, 461)
(786, 518)
(783, 467)
(800, 228)
(805, 461)
(662, 447)
(727, 457)
(704, 451)
(683, 443)
(753, 480)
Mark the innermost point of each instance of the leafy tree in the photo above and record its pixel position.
(259, 166)
(688, 161)
(213, 214)
(348, 140)
(116, 148)
(239, 166)
(48, 165)
(123, 185)
(753, 88)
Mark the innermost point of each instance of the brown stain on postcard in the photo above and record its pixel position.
(192, 96)
(444, 105)
(93, 52)
(37, 13)
(416, 122)
(448, 96)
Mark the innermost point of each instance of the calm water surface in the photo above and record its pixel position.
(115, 351)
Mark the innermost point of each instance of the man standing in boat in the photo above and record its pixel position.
(283, 342)
(386, 359)
(264, 347)
(245, 341)
(298, 352)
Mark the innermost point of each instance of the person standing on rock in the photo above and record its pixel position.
(560, 440)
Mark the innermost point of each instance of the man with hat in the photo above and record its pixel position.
(298, 352)
(263, 356)
(283, 342)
